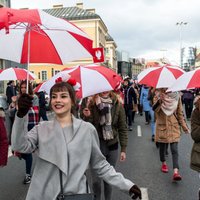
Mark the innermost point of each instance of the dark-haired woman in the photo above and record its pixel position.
(32, 120)
(65, 144)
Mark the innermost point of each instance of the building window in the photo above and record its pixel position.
(52, 71)
(107, 50)
(44, 75)
(57, 71)
(38, 75)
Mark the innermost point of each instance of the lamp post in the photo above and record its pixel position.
(181, 24)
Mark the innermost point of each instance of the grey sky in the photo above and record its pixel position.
(141, 27)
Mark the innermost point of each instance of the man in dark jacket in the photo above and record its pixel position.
(10, 91)
(42, 106)
(130, 99)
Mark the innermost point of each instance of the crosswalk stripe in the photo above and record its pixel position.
(144, 194)
(139, 131)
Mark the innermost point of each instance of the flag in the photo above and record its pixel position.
(98, 55)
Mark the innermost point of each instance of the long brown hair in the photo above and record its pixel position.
(30, 88)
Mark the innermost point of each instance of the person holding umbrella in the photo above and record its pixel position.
(169, 118)
(66, 146)
(32, 120)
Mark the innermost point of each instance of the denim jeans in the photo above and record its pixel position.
(28, 160)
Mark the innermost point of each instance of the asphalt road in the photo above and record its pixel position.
(142, 167)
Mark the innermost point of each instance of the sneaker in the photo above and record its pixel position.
(177, 177)
(130, 128)
(164, 168)
(152, 138)
(27, 179)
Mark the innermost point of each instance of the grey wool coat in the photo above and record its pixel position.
(72, 158)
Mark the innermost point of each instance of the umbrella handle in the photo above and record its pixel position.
(28, 57)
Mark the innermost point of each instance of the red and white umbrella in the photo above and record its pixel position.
(33, 36)
(160, 77)
(188, 80)
(93, 79)
(16, 74)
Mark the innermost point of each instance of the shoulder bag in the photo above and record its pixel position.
(62, 196)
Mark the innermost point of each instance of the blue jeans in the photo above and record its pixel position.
(151, 113)
(28, 160)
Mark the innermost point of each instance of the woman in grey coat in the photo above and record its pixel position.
(67, 144)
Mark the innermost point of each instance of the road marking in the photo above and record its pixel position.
(139, 131)
(144, 193)
(9, 152)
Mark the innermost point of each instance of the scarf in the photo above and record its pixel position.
(104, 105)
(170, 103)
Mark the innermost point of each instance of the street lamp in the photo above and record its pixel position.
(180, 24)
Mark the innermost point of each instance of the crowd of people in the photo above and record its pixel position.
(99, 129)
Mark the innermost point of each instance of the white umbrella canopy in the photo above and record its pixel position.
(16, 74)
(189, 80)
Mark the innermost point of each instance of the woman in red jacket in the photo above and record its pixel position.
(3, 141)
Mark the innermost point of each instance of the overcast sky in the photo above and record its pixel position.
(144, 28)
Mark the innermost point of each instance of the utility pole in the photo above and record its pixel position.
(181, 24)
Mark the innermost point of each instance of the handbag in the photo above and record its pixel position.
(62, 196)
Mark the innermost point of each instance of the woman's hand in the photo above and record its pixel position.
(135, 192)
(24, 104)
(122, 156)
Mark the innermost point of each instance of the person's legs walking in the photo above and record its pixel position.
(28, 161)
(151, 112)
(112, 159)
(174, 150)
(162, 150)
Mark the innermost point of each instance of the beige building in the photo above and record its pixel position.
(197, 60)
(110, 53)
(138, 65)
(93, 25)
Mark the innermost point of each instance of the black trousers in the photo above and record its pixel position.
(174, 151)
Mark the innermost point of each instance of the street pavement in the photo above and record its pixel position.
(142, 166)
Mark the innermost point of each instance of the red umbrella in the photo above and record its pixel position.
(160, 77)
(16, 74)
(33, 36)
(188, 80)
(94, 79)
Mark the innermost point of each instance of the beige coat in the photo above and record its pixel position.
(168, 128)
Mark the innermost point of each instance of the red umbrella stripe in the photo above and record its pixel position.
(195, 80)
(152, 77)
(175, 71)
(41, 44)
